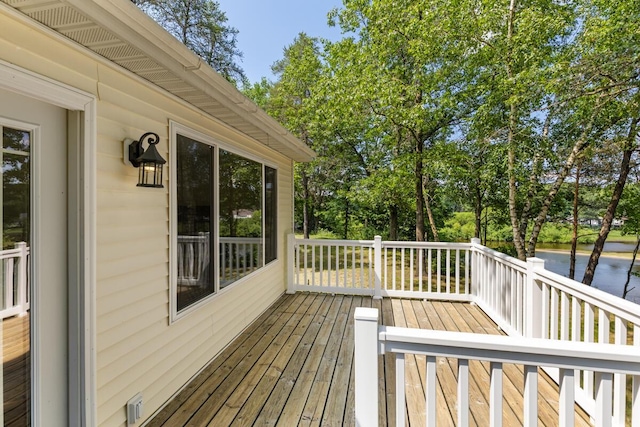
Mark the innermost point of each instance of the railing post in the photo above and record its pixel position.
(377, 267)
(22, 277)
(473, 289)
(366, 366)
(291, 242)
(533, 301)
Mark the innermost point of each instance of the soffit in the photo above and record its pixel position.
(118, 31)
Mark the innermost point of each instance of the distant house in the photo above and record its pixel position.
(129, 293)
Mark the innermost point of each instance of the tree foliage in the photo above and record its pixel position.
(428, 108)
(202, 26)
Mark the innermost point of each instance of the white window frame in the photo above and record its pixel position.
(176, 129)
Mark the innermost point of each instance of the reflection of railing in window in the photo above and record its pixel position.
(15, 280)
(193, 259)
(239, 256)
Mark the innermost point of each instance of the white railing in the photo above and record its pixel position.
(522, 298)
(377, 268)
(336, 266)
(15, 280)
(238, 256)
(606, 360)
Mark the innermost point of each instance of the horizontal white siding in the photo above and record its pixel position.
(138, 351)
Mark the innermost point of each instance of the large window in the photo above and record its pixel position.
(224, 216)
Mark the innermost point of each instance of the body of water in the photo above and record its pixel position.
(611, 273)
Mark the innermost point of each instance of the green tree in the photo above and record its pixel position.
(202, 27)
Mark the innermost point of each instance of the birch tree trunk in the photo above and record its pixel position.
(607, 220)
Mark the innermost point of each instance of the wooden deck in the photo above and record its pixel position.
(294, 366)
(16, 375)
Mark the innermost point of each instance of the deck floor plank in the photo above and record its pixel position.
(314, 408)
(223, 382)
(238, 386)
(276, 401)
(295, 367)
(246, 402)
(337, 398)
(296, 403)
(197, 389)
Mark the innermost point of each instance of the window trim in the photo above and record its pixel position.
(176, 129)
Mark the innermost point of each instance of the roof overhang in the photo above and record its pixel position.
(120, 32)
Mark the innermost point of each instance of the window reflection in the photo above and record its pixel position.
(195, 221)
(14, 270)
(240, 217)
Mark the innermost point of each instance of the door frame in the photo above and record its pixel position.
(82, 144)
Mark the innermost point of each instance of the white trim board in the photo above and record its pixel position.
(82, 336)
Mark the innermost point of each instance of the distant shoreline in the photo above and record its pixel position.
(617, 255)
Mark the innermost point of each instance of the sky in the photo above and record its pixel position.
(266, 27)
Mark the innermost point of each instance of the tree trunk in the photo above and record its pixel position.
(477, 205)
(576, 221)
(419, 192)
(626, 289)
(625, 167)
(305, 205)
(427, 204)
(576, 151)
(393, 222)
(518, 242)
(345, 234)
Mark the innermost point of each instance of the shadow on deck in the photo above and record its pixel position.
(294, 366)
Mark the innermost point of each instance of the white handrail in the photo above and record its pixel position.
(15, 280)
(606, 360)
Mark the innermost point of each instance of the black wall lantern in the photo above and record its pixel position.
(149, 162)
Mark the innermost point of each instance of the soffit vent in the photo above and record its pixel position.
(119, 52)
(58, 17)
(90, 36)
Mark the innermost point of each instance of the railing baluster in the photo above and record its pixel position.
(495, 416)
(411, 272)
(430, 392)
(313, 265)
(429, 275)
(448, 270)
(385, 251)
(564, 317)
(438, 268)
(420, 268)
(589, 336)
(554, 314)
(567, 398)
(345, 266)
(329, 265)
(635, 386)
(457, 271)
(619, 380)
(603, 326)
(467, 268)
(402, 271)
(394, 270)
(530, 396)
(513, 301)
(400, 397)
(604, 390)
(463, 392)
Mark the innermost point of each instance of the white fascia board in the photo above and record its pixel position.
(128, 21)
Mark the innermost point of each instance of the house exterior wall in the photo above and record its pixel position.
(138, 349)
